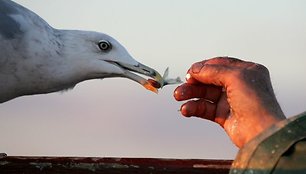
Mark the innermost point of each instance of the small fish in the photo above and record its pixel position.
(170, 81)
(154, 85)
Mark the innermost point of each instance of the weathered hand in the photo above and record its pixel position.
(237, 95)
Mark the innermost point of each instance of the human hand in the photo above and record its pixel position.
(236, 94)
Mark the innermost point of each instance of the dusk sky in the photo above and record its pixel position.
(118, 117)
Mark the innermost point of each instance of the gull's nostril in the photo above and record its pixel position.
(147, 71)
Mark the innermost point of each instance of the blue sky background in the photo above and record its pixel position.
(117, 117)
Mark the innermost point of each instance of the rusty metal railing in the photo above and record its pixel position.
(95, 165)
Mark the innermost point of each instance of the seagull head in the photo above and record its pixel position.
(98, 55)
(37, 58)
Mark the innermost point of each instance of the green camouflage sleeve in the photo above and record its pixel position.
(280, 149)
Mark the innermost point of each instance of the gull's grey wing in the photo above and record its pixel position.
(16, 20)
(10, 34)
(18, 27)
(9, 27)
(22, 37)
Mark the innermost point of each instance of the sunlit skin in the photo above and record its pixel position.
(236, 94)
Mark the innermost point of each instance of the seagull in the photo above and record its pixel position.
(36, 58)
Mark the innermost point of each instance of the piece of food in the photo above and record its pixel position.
(149, 87)
(154, 85)
(170, 81)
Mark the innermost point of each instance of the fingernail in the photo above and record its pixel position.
(176, 94)
(184, 111)
(188, 76)
(196, 68)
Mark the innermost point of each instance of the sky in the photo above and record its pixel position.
(118, 117)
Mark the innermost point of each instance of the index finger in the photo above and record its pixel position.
(213, 74)
(188, 91)
(191, 80)
(219, 71)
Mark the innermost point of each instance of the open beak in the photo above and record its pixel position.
(143, 70)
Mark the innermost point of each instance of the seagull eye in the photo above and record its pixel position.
(104, 45)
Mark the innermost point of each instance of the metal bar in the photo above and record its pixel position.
(94, 165)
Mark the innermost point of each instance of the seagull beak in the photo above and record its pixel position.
(143, 70)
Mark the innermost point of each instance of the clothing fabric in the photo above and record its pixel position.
(280, 149)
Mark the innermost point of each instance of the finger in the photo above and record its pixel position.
(190, 79)
(218, 75)
(188, 91)
(217, 68)
(199, 108)
(225, 61)
(223, 110)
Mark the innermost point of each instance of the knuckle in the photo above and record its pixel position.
(258, 68)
